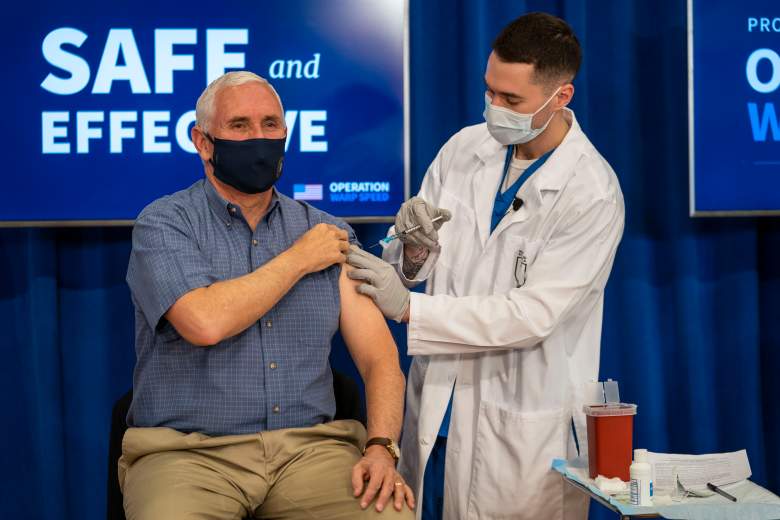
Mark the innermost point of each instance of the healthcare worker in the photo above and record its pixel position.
(508, 330)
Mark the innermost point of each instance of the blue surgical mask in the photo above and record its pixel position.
(251, 165)
(510, 127)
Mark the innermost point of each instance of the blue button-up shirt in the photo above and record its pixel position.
(273, 375)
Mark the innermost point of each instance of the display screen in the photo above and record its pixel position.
(100, 99)
(734, 75)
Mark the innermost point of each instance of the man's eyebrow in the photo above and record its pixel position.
(505, 94)
(273, 118)
(511, 95)
(238, 119)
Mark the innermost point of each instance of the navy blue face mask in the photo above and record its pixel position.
(250, 166)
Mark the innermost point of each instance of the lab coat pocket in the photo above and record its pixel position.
(511, 475)
(515, 257)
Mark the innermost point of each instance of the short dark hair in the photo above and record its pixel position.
(544, 41)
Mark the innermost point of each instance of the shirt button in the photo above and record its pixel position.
(268, 324)
(273, 366)
(232, 211)
(254, 242)
(276, 408)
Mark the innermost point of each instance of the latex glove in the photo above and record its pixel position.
(381, 283)
(414, 212)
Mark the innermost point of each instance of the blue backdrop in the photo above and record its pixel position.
(692, 309)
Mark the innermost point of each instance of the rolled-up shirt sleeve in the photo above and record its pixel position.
(165, 263)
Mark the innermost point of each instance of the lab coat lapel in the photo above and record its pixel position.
(550, 177)
(484, 184)
(531, 195)
(531, 204)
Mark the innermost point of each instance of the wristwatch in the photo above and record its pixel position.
(389, 445)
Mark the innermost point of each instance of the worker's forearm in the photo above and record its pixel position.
(233, 305)
(385, 385)
(413, 259)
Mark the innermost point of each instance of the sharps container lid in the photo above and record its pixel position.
(607, 410)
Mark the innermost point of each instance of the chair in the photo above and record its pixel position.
(349, 405)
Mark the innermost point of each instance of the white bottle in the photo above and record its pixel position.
(641, 480)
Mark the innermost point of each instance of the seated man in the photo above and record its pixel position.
(238, 291)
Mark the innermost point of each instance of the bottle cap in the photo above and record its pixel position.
(640, 455)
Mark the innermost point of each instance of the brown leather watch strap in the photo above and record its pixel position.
(385, 442)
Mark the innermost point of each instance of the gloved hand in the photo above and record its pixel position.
(414, 212)
(382, 283)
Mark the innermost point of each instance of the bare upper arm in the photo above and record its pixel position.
(363, 326)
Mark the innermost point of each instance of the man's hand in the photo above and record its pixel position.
(377, 468)
(382, 283)
(417, 212)
(320, 247)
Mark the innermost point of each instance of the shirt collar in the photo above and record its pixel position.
(226, 211)
(565, 158)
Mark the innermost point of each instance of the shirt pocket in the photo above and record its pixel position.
(511, 472)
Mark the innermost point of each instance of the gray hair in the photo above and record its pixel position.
(204, 108)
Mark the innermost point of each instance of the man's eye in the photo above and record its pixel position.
(238, 125)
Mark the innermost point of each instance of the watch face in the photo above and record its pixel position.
(393, 449)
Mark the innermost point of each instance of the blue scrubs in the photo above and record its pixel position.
(433, 479)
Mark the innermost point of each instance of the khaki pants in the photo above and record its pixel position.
(295, 473)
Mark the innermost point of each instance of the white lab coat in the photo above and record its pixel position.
(517, 357)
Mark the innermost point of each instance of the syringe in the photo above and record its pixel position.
(412, 229)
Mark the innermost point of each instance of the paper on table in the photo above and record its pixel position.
(695, 471)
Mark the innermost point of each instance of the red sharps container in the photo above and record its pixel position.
(610, 439)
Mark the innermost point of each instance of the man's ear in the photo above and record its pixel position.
(203, 144)
(564, 95)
